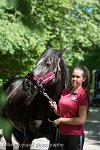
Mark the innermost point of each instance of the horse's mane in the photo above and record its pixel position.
(65, 73)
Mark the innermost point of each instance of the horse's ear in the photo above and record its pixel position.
(64, 49)
(48, 46)
(60, 53)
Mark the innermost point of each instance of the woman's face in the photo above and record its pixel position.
(77, 78)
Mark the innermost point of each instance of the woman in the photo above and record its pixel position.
(73, 108)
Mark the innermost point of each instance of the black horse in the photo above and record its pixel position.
(27, 106)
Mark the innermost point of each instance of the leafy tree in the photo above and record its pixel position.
(4, 123)
(26, 26)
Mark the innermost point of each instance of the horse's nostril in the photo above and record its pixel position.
(26, 85)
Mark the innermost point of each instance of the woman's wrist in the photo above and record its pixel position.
(57, 112)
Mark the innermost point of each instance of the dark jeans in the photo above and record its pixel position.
(71, 142)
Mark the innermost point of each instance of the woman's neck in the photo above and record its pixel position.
(74, 89)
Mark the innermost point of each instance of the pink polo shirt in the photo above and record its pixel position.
(69, 105)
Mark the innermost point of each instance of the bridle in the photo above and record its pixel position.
(41, 82)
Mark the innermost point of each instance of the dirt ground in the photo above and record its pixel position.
(92, 134)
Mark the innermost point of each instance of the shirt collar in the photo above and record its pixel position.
(77, 91)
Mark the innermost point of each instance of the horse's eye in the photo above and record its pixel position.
(48, 64)
(48, 61)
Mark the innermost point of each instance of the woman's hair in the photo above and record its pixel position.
(85, 84)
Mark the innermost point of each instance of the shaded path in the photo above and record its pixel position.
(92, 130)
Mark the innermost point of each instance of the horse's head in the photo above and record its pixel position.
(47, 67)
(50, 69)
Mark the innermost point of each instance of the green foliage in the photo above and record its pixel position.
(5, 126)
(2, 100)
(4, 123)
(26, 26)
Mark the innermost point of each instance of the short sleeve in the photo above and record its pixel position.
(83, 99)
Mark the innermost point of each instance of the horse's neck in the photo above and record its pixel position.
(54, 92)
(64, 74)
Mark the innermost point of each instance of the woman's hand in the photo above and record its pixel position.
(57, 122)
(53, 105)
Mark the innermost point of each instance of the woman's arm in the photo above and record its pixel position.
(82, 115)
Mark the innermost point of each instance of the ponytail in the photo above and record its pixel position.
(85, 84)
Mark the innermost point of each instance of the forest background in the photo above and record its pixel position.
(26, 26)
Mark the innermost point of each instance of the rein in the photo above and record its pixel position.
(47, 96)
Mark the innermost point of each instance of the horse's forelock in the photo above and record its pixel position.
(47, 53)
(40, 61)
